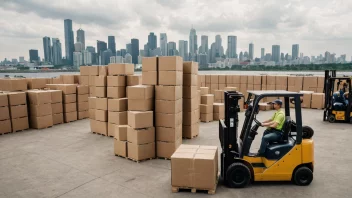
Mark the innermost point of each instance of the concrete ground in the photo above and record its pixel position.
(69, 161)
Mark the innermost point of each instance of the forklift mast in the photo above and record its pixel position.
(328, 90)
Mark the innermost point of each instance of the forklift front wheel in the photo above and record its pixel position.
(303, 176)
(331, 118)
(238, 175)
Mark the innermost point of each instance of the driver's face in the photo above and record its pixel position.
(276, 106)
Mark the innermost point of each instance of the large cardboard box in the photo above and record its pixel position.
(70, 98)
(190, 92)
(121, 132)
(214, 79)
(116, 81)
(58, 118)
(92, 102)
(111, 129)
(168, 120)
(19, 111)
(117, 104)
(56, 96)
(103, 70)
(190, 67)
(120, 69)
(307, 99)
(84, 70)
(134, 80)
(149, 64)
(57, 108)
(170, 78)
(206, 108)
(190, 80)
(141, 152)
(4, 113)
(119, 118)
(101, 115)
(84, 80)
(19, 124)
(70, 107)
(206, 117)
(99, 127)
(116, 92)
(41, 122)
(82, 89)
(67, 79)
(4, 100)
(318, 100)
(140, 92)
(310, 82)
(190, 131)
(5, 126)
(141, 136)
(219, 108)
(82, 106)
(91, 91)
(120, 148)
(150, 78)
(168, 134)
(140, 104)
(82, 98)
(94, 70)
(71, 116)
(139, 119)
(170, 63)
(83, 115)
(204, 91)
(100, 92)
(190, 104)
(92, 114)
(219, 95)
(13, 84)
(168, 106)
(168, 92)
(36, 83)
(92, 81)
(67, 89)
(100, 103)
(17, 98)
(207, 99)
(222, 79)
(190, 118)
(166, 149)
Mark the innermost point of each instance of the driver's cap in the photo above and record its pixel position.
(277, 101)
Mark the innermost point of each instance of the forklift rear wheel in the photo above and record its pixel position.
(303, 176)
(331, 118)
(308, 132)
(238, 175)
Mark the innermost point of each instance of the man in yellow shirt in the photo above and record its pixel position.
(274, 131)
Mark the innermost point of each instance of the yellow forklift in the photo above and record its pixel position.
(290, 159)
(338, 98)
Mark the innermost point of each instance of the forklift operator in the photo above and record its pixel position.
(274, 131)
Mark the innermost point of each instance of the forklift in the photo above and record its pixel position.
(290, 159)
(338, 99)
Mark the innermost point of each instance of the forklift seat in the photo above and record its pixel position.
(286, 130)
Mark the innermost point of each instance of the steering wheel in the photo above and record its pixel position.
(257, 122)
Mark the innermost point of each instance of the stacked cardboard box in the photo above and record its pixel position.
(69, 79)
(5, 121)
(244, 85)
(236, 82)
(201, 81)
(13, 84)
(84, 75)
(307, 99)
(310, 83)
(120, 140)
(294, 83)
(206, 108)
(82, 101)
(219, 96)
(250, 82)
(168, 109)
(93, 72)
(40, 108)
(222, 82)
(190, 101)
(134, 80)
(117, 109)
(37, 83)
(56, 106)
(320, 88)
(218, 111)
(270, 85)
(257, 82)
(264, 82)
(214, 83)
(18, 111)
(318, 100)
(281, 83)
(208, 81)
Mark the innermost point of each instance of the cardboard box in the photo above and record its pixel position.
(204, 91)
(70, 107)
(140, 104)
(190, 67)
(141, 136)
(101, 115)
(181, 169)
(36, 83)
(139, 119)
(120, 69)
(56, 96)
(121, 132)
(4, 113)
(103, 70)
(94, 70)
(100, 103)
(57, 108)
(13, 84)
(170, 78)
(58, 118)
(100, 92)
(214, 79)
(206, 108)
(4, 100)
(190, 131)
(92, 80)
(116, 81)
(206, 117)
(168, 106)
(83, 115)
(150, 78)
(82, 89)
(166, 149)
(189, 92)
(250, 80)
(71, 116)
(222, 79)
(82, 106)
(219, 108)
(120, 148)
(91, 91)
(168, 134)
(218, 116)
(134, 80)
(84, 70)
(170, 63)
(82, 98)
(19, 124)
(190, 80)
(141, 152)
(317, 101)
(111, 129)
(168, 120)
(117, 104)
(116, 92)
(17, 98)
(190, 104)
(270, 80)
(310, 81)
(99, 127)
(92, 114)
(5, 126)
(92, 102)
(84, 80)
(250, 87)
(206, 170)
(207, 99)
(71, 98)
(190, 118)
(140, 92)
(214, 87)
(149, 64)
(119, 118)
(41, 122)
(168, 92)
(67, 79)
(219, 95)
(67, 89)
(19, 111)
(264, 107)
(307, 99)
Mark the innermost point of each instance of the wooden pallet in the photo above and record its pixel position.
(212, 191)
(19, 130)
(207, 121)
(190, 137)
(121, 156)
(45, 128)
(138, 161)
(99, 134)
(5, 133)
(58, 123)
(164, 158)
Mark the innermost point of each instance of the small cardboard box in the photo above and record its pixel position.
(103, 70)
(56, 96)
(120, 148)
(67, 89)
(141, 136)
(71, 116)
(170, 78)
(150, 78)
(84, 70)
(166, 149)
(82, 89)
(141, 152)
(117, 104)
(134, 80)
(101, 115)
(214, 87)
(84, 80)
(19, 124)
(149, 64)
(94, 70)
(140, 92)
(41, 122)
(70, 98)
(317, 101)
(140, 104)
(116, 92)
(58, 118)
(204, 91)
(4, 113)
(190, 80)
(190, 118)
(19, 111)
(17, 98)
(82, 106)
(168, 134)
(83, 115)
(5, 126)
(190, 67)
(92, 102)
(99, 127)
(168, 106)
(206, 108)
(139, 119)
(190, 104)
(37, 83)
(119, 118)
(116, 81)
(100, 92)
(190, 92)
(170, 63)
(4, 100)
(82, 98)
(13, 84)
(100, 103)
(190, 131)
(206, 117)
(121, 132)
(120, 69)
(70, 107)
(168, 92)
(168, 120)
(207, 99)
(57, 108)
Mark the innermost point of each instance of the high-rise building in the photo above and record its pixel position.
(91, 49)
(193, 45)
(241, 56)
(219, 50)
(57, 51)
(81, 38)
(275, 53)
(101, 47)
(152, 41)
(33, 56)
(146, 50)
(77, 59)
(232, 47)
(135, 50)
(204, 44)
(181, 48)
(112, 44)
(105, 60)
(251, 51)
(47, 49)
(21, 59)
(171, 46)
(79, 47)
(123, 53)
(262, 54)
(163, 44)
(129, 48)
(202, 59)
(282, 56)
(295, 51)
(69, 41)
(87, 57)
(128, 58)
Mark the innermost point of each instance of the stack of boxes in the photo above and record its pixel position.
(307, 98)
(69, 101)
(243, 85)
(208, 81)
(310, 83)
(82, 101)
(84, 75)
(318, 100)
(219, 96)
(93, 72)
(5, 121)
(294, 83)
(257, 82)
(117, 108)
(214, 83)
(190, 101)
(320, 88)
(218, 111)
(40, 105)
(18, 111)
(250, 82)
(37, 83)
(236, 81)
(281, 83)
(56, 106)
(206, 108)
(13, 84)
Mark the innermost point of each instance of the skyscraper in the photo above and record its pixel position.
(101, 47)
(295, 51)
(57, 51)
(129, 48)
(91, 49)
(171, 46)
(262, 54)
(79, 47)
(77, 59)
(47, 49)
(193, 46)
(181, 48)
(33, 55)
(282, 57)
(81, 38)
(135, 50)
(232, 47)
(275, 53)
(204, 44)
(163, 44)
(105, 59)
(112, 44)
(69, 41)
(251, 51)
(152, 42)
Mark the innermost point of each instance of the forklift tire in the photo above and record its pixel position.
(238, 175)
(331, 118)
(303, 176)
(308, 132)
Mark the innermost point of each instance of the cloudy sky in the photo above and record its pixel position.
(317, 25)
